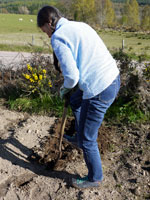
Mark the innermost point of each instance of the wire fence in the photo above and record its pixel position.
(10, 62)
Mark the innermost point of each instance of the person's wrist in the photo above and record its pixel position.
(64, 91)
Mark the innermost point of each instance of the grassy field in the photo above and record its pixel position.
(21, 30)
(138, 43)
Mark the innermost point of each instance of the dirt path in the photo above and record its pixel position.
(9, 59)
(126, 172)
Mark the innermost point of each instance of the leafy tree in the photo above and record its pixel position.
(4, 10)
(23, 10)
(99, 5)
(84, 10)
(145, 21)
(32, 5)
(65, 6)
(131, 14)
(109, 14)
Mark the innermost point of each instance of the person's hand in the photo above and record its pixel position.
(64, 91)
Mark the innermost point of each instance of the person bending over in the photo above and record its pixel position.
(86, 63)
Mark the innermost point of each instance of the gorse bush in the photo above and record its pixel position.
(31, 89)
(35, 81)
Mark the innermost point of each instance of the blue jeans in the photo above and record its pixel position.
(89, 114)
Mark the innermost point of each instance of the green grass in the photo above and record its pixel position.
(27, 48)
(45, 105)
(10, 23)
(18, 35)
(126, 112)
(23, 33)
(134, 43)
(119, 112)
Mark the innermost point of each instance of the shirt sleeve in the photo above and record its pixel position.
(67, 62)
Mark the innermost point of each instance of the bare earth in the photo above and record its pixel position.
(126, 176)
(21, 179)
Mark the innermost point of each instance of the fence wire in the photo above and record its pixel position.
(10, 63)
(13, 64)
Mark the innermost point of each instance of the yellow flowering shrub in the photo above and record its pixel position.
(36, 80)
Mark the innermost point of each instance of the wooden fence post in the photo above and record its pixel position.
(123, 42)
(32, 39)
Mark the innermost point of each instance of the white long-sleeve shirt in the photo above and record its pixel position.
(83, 57)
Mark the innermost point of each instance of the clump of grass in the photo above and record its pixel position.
(24, 48)
(139, 43)
(123, 111)
(48, 104)
(143, 57)
(147, 47)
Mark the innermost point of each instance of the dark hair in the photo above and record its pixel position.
(56, 63)
(49, 14)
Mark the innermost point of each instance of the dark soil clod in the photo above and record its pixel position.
(48, 153)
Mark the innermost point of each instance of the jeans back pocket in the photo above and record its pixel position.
(109, 94)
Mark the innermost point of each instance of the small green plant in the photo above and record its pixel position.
(127, 150)
(146, 72)
(119, 186)
(36, 81)
(130, 48)
(147, 47)
(143, 57)
(112, 147)
(125, 110)
(124, 59)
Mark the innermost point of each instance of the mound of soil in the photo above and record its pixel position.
(48, 151)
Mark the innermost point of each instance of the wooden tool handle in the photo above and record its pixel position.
(64, 117)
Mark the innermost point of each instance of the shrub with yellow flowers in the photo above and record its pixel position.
(36, 81)
(146, 72)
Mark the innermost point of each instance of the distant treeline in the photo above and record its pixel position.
(25, 7)
(128, 14)
(116, 1)
(140, 2)
(32, 6)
